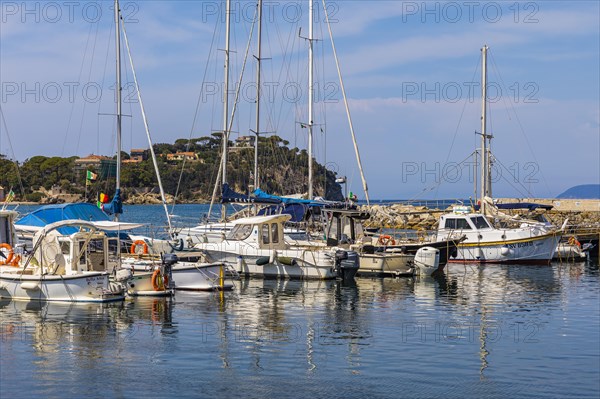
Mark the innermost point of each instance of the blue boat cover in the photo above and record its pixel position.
(297, 211)
(53, 213)
(520, 205)
(230, 196)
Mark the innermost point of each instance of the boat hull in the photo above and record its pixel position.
(86, 287)
(200, 277)
(386, 264)
(534, 250)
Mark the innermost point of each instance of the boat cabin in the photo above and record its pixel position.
(7, 227)
(343, 226)
(264, 232)
(71, 254)
(463, 222)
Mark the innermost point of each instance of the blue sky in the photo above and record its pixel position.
(411, 72)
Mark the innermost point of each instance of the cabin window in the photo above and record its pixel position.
(480, 222)
(274, 233)
(462, 224)
(265, 233)
(457, 224)
(240, 232)
(450, 224)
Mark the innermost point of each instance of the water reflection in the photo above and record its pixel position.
(491, 323)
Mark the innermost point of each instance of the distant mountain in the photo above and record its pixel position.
(585, 191)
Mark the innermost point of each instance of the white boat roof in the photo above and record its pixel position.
(263, 219)
(102, 225)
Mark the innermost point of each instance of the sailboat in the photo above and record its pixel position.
(531, 243)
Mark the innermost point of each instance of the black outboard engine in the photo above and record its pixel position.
(168, 260)
(346, 264)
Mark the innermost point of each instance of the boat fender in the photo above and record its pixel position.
(286, 260)
(263, 260)
(30, 286)
(273, 257)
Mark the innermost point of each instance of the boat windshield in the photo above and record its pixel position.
(240, 232)
(480, 222)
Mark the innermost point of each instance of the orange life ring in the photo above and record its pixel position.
(573, 241)
(386, 240)
(9, 257)
(135, 244)
(159, 281)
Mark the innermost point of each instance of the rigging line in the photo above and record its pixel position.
(460, 118)
(62, 153)
(88, 79)
(516, 177)
(497, 70)
(139, 96)
(195, 118)
(12, 151)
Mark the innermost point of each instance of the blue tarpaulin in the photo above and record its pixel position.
(230, 196)
(520, 205)
(53, 213)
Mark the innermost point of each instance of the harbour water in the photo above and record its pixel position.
(477, 332)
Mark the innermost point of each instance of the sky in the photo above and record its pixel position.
(411, 70)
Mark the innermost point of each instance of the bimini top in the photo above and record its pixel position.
(48, 214)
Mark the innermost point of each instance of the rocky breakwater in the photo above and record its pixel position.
(401, 216)
(583, 215)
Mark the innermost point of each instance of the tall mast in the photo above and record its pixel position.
(351, 125)
(226, 98)
(485, 189)
(310, 99)
(258, 60)
(118, 91)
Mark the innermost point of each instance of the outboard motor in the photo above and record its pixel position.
(346, 264)
(168, 260)
(427, 260)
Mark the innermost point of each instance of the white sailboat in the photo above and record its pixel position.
(530, 243)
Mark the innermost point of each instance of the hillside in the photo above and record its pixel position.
(188, 170)
(585, 191)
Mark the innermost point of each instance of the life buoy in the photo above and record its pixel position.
(573, 241)
(10, 255)
(159, 281)
(386, 240)
(133, 248)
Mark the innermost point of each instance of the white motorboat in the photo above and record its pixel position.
(531, 242)
(485, 243)
(152, 277)
(70, 268)
(256, 247)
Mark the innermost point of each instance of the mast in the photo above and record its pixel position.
(226, 98)
(258, 60)
(339, 71)
(310, 99)
(118, 92)
(485, 189)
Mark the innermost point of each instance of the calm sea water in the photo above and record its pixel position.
(477, 332)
